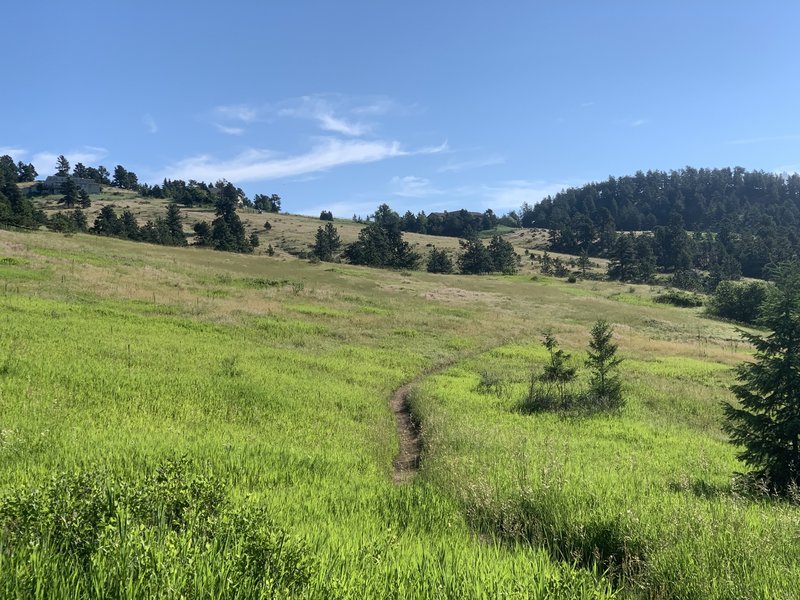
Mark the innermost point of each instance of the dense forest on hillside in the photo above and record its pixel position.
(741, 220)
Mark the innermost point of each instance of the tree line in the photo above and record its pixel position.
(733, 221)
(380, 244)
(461, 223)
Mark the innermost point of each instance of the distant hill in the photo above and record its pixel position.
(746, 219)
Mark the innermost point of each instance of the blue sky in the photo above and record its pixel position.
(424, 105)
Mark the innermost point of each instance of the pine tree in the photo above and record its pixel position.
(503, 257)
(474, 258)
(605, 386)
(83, 199)
(439, 262)
(62, 166)
(327, 242)
(557, 371)
(174, 222)
(70, 191)
(768, 423)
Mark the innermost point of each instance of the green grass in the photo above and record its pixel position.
(645, 493)
(212, 425)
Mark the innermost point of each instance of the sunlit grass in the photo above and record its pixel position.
(272, 376)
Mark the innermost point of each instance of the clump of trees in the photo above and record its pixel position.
(460, 223)
(226, 232)
(327, 243)
(15, 209)
(381, 243)
(738, 301)
(554, 389)
(166, 230)
(766, 424)
(266, 203)
(476, 259)
(439, 262)
(326, 215)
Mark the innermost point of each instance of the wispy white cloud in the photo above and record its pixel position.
(150, 123)
(45, 162)
(229, 130)
(238, 112)
(320, 109)
(411, 186)
(13, 152)
(335, 113)
(472, 164)
(508, 195)
(638, 122)
(261, 165)
(765, 139)
(500, 196)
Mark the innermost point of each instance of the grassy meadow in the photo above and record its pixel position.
(182, 423)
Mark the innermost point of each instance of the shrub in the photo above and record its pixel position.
(679, 298)
(738, 301)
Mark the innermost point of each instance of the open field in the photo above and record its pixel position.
(180, 422)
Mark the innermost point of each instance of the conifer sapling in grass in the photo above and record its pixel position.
(605, 387)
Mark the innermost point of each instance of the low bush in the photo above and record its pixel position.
(679, 298)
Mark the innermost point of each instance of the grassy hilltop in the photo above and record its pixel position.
(178, 422)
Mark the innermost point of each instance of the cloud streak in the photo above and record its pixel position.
(320, 110)
(468, 165)
(262, 165)
(228, 130)
(502, 195)
(150, 123)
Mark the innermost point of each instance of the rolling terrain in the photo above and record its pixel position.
(183, 422)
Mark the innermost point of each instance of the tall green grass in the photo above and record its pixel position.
(645, 494)
(271, 401)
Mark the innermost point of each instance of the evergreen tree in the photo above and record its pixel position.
(605, 386)
(439, 262)
(107, 222)
(129, 227)
(174, 223)
(253, 240)
(70, 191)
(381, 243)
(202, 231)
(227, 231)
(502, 256)
(14, 208)
(557, 371)
(267, 203)
(327, 242)
(767, 425)
(26, 173)
(62, 166)
(80, 221)
(80, 171)
(83, 199)
(474, 258)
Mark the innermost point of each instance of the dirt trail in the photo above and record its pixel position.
(406, 463)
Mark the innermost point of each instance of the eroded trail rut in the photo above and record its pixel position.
(406, 463)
